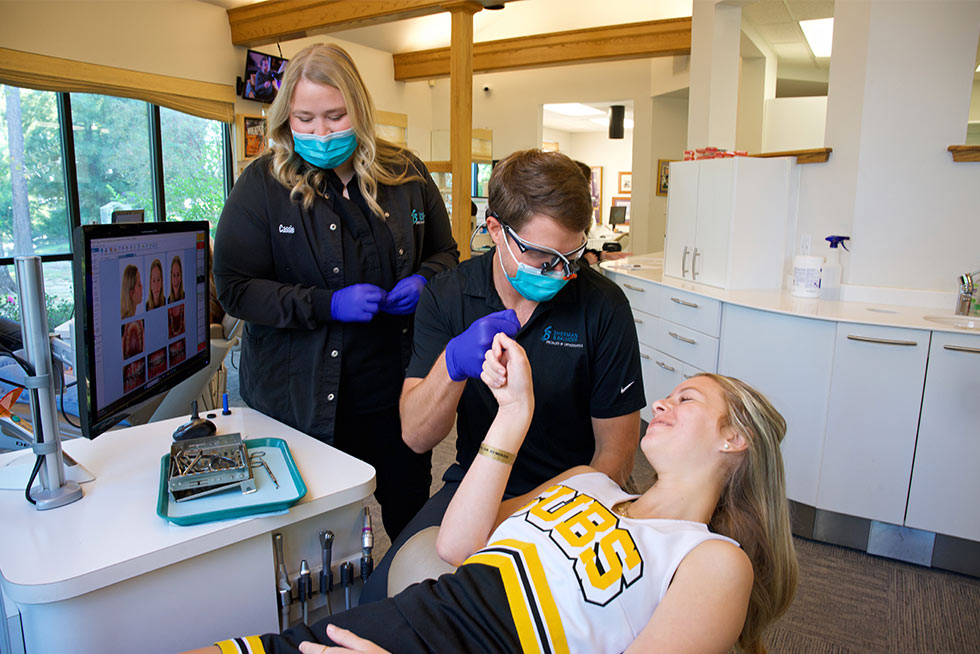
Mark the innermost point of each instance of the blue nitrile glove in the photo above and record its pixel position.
(402, 299)
(356, 303)
(464, 353)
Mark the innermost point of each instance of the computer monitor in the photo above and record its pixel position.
(142, 316)
(617, 215)
(127, 216)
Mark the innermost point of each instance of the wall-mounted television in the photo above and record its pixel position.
(263, 76)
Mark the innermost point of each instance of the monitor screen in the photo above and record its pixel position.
(127, 216)
(263, 76)
(142, 316)
(617, 215)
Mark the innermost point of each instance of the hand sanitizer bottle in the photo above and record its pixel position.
(830, 276)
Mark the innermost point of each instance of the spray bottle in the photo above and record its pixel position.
(830, 276)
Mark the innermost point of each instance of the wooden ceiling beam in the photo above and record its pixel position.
(658, 38)
(282, 20)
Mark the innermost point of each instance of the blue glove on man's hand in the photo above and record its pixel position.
(464, 353)
(356, 303)
(402, 299)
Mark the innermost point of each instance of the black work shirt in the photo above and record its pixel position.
(584, 357)
(368, 381)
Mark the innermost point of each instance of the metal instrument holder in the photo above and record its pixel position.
(55, 490)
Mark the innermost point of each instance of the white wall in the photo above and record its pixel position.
(187, 39)
(892, 111)
(614, 155)
(794, 124)
(513, 110)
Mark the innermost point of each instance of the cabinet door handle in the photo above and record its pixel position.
(686, 304)
(882, 341)
(666, 367)
(634, 288)
(684, 262)
(645, 356)
(962, 348)
(683, 338)
(694, 264)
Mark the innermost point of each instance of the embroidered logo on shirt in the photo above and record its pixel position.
(418, 216)
(286, 229)
(626, 388)
(560, 338)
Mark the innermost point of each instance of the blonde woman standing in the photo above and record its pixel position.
(323, 248)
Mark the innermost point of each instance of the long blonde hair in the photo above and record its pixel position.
(753, 508)
(376, 161)
(151, 302)
(127, 307)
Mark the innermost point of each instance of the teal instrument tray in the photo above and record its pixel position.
(233, 503)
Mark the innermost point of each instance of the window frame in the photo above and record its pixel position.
(70, 172)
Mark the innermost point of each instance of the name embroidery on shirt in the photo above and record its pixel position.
(286, 229)
(418, 216)
(602, 554)
(560, 338)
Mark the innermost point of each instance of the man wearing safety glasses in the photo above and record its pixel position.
(575, 325)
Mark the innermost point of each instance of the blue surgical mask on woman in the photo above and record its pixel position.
(530, 282)
(327, 151)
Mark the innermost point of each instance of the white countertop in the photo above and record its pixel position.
(114, 533)
(650, 268)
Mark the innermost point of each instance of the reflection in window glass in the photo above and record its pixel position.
(59, 297)
(112, 153)
(33, 217)
(193, 167)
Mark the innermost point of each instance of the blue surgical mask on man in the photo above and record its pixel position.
(327, 151)
(530, 282)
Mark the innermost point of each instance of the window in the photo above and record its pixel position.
(112, 156)
(111, 143)
(193, 167)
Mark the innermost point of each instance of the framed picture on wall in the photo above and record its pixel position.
(253, 139)
(625, 182)
(663, 173)
(597, 194)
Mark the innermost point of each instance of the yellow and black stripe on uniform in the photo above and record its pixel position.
(532, 605)
(245, 645)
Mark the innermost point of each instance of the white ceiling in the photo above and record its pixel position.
(775, 21)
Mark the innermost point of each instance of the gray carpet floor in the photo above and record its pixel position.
(848, 602)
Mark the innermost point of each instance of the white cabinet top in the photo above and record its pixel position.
(650, 268)
(114, 533)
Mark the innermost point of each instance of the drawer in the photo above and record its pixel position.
(642, 294)
(646, 327)
(661, 373)
(691, 310)
(688, 345)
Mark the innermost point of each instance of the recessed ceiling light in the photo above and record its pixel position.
(573, 109)
(820, 35)
(627, 122)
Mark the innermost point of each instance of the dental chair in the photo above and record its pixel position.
(415, 561)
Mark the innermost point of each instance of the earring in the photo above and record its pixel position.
(727, 446)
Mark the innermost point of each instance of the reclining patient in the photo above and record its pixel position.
(701, 562)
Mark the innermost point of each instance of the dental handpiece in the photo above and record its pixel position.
(304, 588)
(367, 545)
(347, 580)
(326, 572)
(284, 590)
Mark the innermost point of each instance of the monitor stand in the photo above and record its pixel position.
(15, 474)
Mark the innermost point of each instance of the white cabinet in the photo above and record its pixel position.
(873, 415)
(789, 359)
(946, 474)
(727, 220)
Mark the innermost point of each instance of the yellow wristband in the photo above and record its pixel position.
(497, 454)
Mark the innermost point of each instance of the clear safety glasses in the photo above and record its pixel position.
(547, 260)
